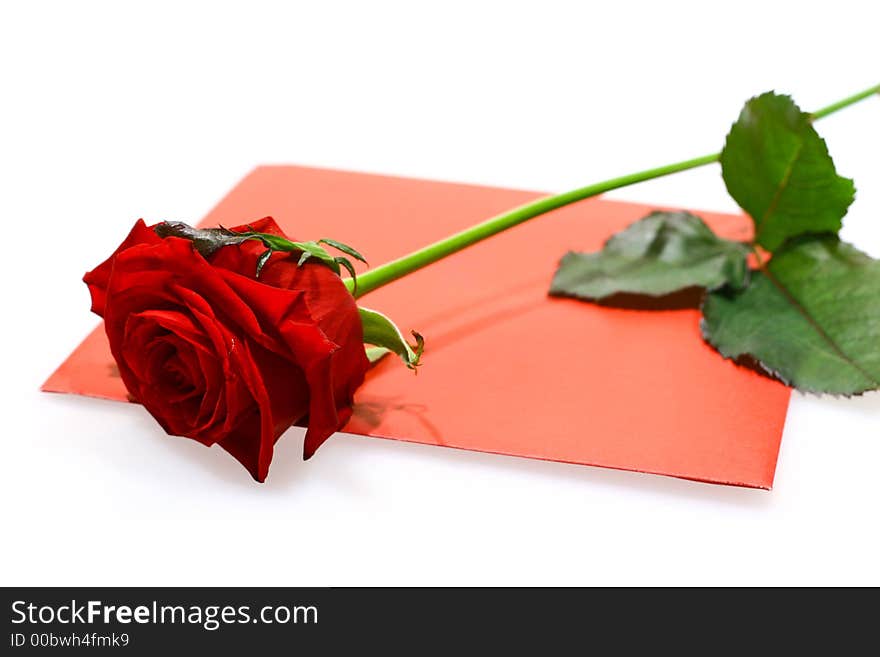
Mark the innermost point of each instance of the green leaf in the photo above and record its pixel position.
(262, 260)
(778, 169)
(313, 250)
(382, 332)
(812, 318)
(663, 253)
(375, 354)
(345, 248)
(345, 262)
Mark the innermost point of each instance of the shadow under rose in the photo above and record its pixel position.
(371, 409)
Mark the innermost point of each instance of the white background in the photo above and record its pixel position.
(117, 110)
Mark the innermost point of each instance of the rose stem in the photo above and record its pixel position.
(391, 271)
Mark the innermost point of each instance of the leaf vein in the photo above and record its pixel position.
(799, 307)
(783, 183)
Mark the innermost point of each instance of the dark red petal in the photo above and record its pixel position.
(242, 258)
(334, 310)
(157, 278)
(283, 351)
(179, 323)
(282, 395)
(239, 442)
(99, 278)
(253, 443)
(264, 225)
(333, 370)
(144, 276)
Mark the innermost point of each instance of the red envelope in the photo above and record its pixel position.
(508, 369)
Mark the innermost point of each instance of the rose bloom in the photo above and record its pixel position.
(219, 356)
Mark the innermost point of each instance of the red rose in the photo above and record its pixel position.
(217, 355)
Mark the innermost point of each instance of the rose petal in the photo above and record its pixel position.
(99, 278)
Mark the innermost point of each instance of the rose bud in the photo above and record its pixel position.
(222, 351)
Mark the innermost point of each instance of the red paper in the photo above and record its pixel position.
(506, 368)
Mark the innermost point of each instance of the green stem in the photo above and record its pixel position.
(846, 102)
(391, 271)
